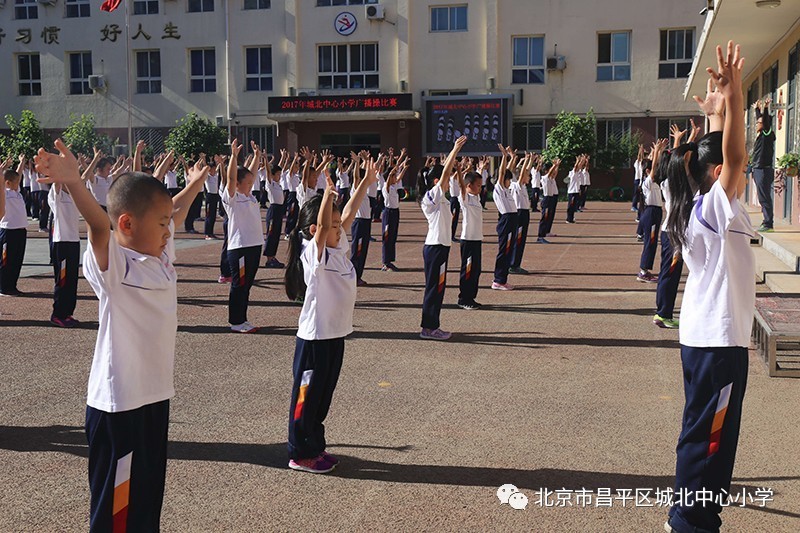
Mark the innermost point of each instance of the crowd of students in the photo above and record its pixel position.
(315, 200)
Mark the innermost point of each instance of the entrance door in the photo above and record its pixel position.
(341, 144)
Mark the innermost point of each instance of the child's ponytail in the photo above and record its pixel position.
(683, 185)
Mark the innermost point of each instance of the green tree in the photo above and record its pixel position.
(194, 135)
(82, 136)
(572, 136)
(618, 152)
(26, 136)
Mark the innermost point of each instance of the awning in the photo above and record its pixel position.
(757, 29)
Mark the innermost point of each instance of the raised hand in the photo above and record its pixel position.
(695, 133)
(728, 76)
(677, 134)
(57, 168)
(714, 102)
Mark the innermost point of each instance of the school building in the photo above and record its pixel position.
(769, 33)
(353, 74)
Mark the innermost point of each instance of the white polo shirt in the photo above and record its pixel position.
(305, 194)
(519, 193)
(364, 210)
(536, 179)
(484, 177)
(293, 180)
(390, 197)
(322, 181)
(719, 299)
(549, 186)
(437, 210)
(574, 182)
(66, 217)
(171, 180)
(274, 192)
(35, 185)
(667, 207)
(503, 199)
(26, 178)
(330, 292)
(455, 187)
(284, 180)
(586, 179)
(15, 217)
(244, 220)
(212, 184)
(472, 224)
(343, 179)
(651, 192)
(134, 354)
(99, 189)
(638, 170)
(372, 190)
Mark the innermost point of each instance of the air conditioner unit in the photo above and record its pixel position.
(376, 12)
(220, 121)
(306, 92)
(97, 82)
(556, 63)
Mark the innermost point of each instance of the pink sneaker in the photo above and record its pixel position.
(315, 465)
(224, 279)
(330, 458)
(501, 286)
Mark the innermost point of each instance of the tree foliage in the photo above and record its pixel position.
(571, 136)
(82, 136)
(618, 152)
(193, 135)
(26, 136)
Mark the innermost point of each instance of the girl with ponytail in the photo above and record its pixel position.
(713, 229)
(320, 272)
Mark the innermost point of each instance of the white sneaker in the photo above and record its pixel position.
(501, 286)
(244, 327)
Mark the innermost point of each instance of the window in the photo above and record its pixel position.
(449, 18)
(528, 60)
(264, 136)
(343, 66)
(769, 82)
(450, 92)
(529, 135)
(149, 7)
(201, 6)
(791, 99)
(322, 3)
(26, 9)
(29, 74)
(203, 71)
(752, 93)
(664, 124)
(607, 129)
(258, 62)
(77, 9)
(677, 53)
(614, 56)
(148, 72)
(341, 144)
(80, 68)
(256, 4)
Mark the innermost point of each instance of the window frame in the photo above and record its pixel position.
(201, 4)
(257, 6)
(204, 77)
(32, 82)
(528, 125)
(83, 80)
(530, 68)
(148, 4)
(348, 72)
(82, 8)
(614, 65)
(451, 18)
(260, 76)
(626, 128)
(29, 7)
(149, 79)
(342, 3)
(675, 63)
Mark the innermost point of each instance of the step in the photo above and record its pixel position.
(769, 266)
(785, 245)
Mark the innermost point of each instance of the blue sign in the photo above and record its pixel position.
(345, 23)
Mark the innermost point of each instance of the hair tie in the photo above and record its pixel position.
(692, 146)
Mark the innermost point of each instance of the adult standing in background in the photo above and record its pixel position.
(762, 160)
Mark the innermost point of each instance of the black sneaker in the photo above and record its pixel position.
(469, 306)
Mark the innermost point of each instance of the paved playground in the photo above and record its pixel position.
(563, 383)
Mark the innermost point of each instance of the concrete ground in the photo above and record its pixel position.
(563, 383)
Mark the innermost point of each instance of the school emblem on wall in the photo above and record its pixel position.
(345, 23)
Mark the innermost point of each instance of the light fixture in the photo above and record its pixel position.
(768, 3)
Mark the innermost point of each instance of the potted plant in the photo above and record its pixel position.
(790, 162)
